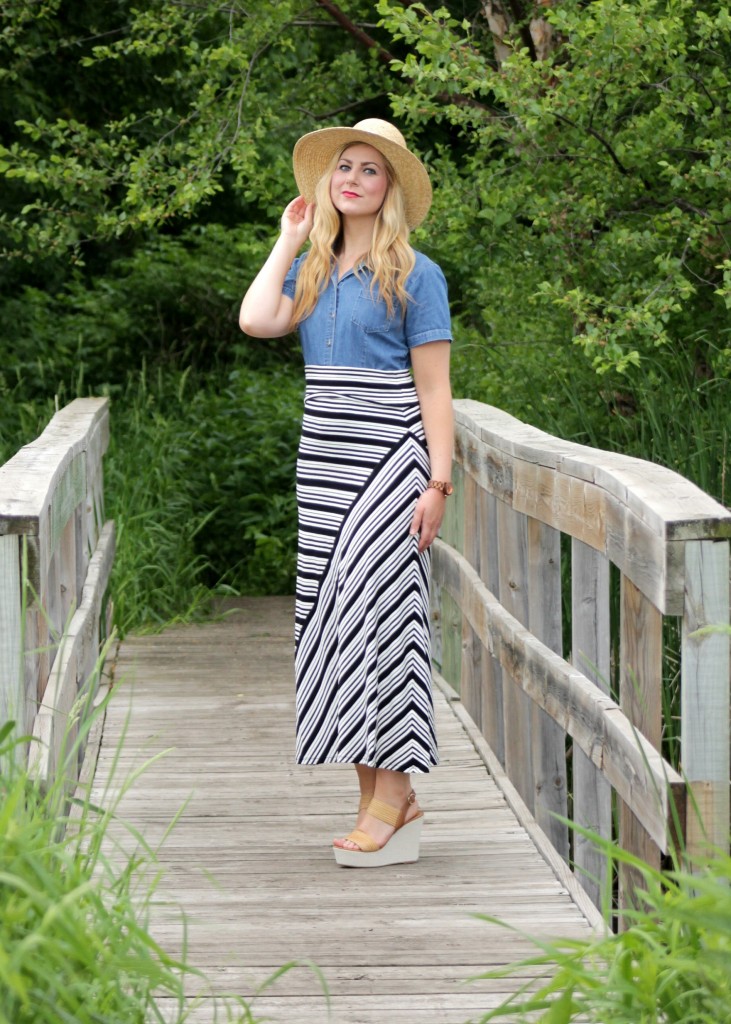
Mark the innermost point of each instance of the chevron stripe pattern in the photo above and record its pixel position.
(362, 659)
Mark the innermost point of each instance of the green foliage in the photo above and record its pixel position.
(242, 465)
(581, 216)
(218, 106)
(674, 409)
(200, 481)
(172, 302)
(74, 943)
(671, 964)
(593, 185)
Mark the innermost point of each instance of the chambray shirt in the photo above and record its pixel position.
(349, 326)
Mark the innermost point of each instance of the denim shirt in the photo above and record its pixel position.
(349, 326)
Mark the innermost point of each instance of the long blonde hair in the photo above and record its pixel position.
(390, 257)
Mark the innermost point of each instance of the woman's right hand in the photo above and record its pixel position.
(266, 311)
(297, 220)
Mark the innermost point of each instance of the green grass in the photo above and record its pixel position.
(671, 963)
(75, 911)
(74, 943)
(200, 481)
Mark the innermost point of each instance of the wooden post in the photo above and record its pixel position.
(472, 652)
(517, 706)
(705, 695)
(471, 672)
(492, 724)
(435, 615)
(451, 614)
(12, 674)
(549, 739)
(640, 697)
(51, 505)
(590, 652)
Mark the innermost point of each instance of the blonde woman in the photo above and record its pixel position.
(373, 468)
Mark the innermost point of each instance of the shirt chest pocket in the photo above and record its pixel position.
(370, 314)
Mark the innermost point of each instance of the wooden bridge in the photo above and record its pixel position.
(527, 728)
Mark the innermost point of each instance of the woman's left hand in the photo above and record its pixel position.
(428, 516)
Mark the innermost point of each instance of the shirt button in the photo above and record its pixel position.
(329, 342)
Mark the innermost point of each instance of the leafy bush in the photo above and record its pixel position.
(583, 190)
(173, 301)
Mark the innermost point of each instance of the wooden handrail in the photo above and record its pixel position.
(497, 608)
(56, 554)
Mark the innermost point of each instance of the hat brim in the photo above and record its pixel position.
(313, 152)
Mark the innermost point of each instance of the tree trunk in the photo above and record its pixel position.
(517, 23)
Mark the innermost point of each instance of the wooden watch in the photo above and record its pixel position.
(441, 485)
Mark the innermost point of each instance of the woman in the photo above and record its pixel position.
(373, 468)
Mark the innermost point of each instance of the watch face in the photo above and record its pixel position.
(448, 489)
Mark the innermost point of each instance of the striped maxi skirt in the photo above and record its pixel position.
(362, 646)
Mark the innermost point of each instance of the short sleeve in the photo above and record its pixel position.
(427, 312)
(290, 281)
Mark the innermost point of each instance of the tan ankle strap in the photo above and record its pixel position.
(393, 816)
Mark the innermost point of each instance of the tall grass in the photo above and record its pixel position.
(671, 964)
(200, 481)
(76, 906)
(74, 942)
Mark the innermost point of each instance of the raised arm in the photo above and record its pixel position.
(266, 311)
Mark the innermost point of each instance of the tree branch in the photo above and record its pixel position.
(334, 11)
(600, 138)
(384, 55)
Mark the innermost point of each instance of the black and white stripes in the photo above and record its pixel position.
(362, 626)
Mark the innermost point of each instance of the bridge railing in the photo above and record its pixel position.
(499, 637)
(56, 555)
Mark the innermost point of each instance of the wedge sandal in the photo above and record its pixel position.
(401, 848)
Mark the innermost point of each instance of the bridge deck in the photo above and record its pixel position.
(249, 860)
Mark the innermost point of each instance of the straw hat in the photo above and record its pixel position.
(313, 152)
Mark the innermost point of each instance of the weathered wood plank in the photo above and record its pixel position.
(590, 653)
(634, 512)
(517, 710)
(599, 727)
(673, 506)
(549, 739)
(470, 687)
(451, 638)
(55, 729)
(453, 529)
(640, 697)
(31, 478)
(492, 722)
(562, 502)
(249, 861)
(12, 689)
(435, 622)
(704, 694)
